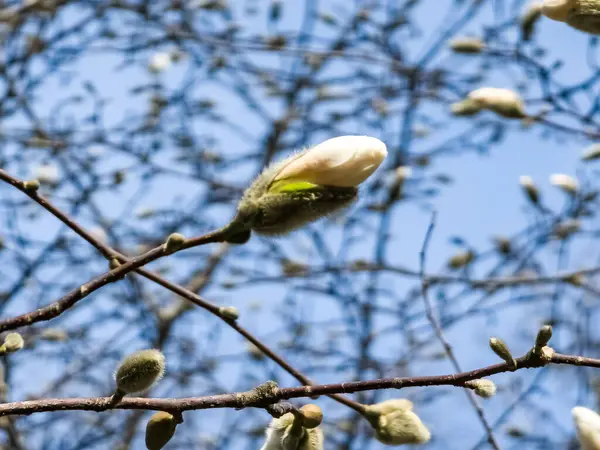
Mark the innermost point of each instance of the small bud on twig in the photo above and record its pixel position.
(32, 185)
(501, 349)
(483, 387)
(229, 312)
(12, 342)
(312, 416)
(174, 242)
(543, 337)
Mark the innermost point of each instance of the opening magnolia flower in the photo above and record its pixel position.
(587, 424)
(345, 161)
(309, 185)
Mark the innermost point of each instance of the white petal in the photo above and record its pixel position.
(587, 423)
(344, 161)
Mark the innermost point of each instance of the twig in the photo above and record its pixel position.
(244, 400)
(440, 333)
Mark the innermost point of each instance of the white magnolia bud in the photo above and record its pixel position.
(309, 185)
(503, 102)
(530, 188)
(591, 153)
(159, 62)
(587, 424)
(286, 434)
(345, 161)
(565, 182)
(483, 387)
(395, 423)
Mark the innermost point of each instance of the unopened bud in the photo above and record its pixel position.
(501, 349)
(174, 242)
(140, 370)
(229, 312)
(530, 189)
(113, 264)
(543, 336)
(566, 228)
(159, 430)
(467, 45)
(395, 423)
(587, 425)
(483, 387)
(13, 342)
(575, 279)
(32, 185)
(591, 153)
(312, 416)
(461, 259)
(503, 102)
(564, 182)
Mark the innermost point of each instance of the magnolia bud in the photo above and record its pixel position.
(503, 102)
(12, 342)
(501, 349)
(591, 153)
(312, 416)
(503, 244)
(140, 370)
(530, 189)
(484, 388)
(174, 242)
(159, 430)
(286, 433)
(461, 259)
(395, 423)
(587, 425)
(159, 62)
(229, 312)
(566, 228)
(309, 185)
(568, 184)
(529, 18)
(32, 185)
(467, 45)
(543, 337)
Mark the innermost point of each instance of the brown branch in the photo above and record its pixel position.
(187, 294)
(249, 400)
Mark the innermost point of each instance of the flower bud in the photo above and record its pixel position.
(461, 259)
(503, 102)
(582, 15)
(467, 45)
(174, 242)
(543, 337)
(312, 416)
(483, 387)
(395, 423)
(159, 62)
(12, 342)
(587, 425)
(159, 430)
(564, 182)
(309, 185)
(229, 312)
(287, 433)
(140, 370)
(503, 245)
(501, 349)
(591, 153)
(32, 185)
(530, 188)
(567, 228)
(529, 18)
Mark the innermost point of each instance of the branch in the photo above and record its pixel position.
(250, 400)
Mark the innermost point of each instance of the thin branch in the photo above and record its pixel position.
(246, 400)
(441, 336)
